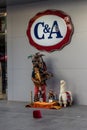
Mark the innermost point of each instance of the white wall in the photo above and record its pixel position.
(69, 64)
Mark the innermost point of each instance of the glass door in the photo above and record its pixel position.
(3, 56)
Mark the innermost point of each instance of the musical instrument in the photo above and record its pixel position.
(41, 77)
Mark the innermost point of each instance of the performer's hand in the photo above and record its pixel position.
(37, 81)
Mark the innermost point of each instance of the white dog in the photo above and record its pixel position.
(65, 97)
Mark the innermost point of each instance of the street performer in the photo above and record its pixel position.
(39, 77)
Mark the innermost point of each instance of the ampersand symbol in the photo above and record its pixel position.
(46, 29)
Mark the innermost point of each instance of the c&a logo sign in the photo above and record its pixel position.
(50, 30)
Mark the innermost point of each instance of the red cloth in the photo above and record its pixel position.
(68, 96)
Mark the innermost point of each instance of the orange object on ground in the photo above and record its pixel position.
(47, 105)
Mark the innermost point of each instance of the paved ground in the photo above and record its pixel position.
(15, 116)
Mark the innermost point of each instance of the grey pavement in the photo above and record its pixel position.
(15, 116)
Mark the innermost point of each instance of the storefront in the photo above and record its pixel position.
(68, 63)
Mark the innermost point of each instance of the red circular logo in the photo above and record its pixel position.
(50, 30)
